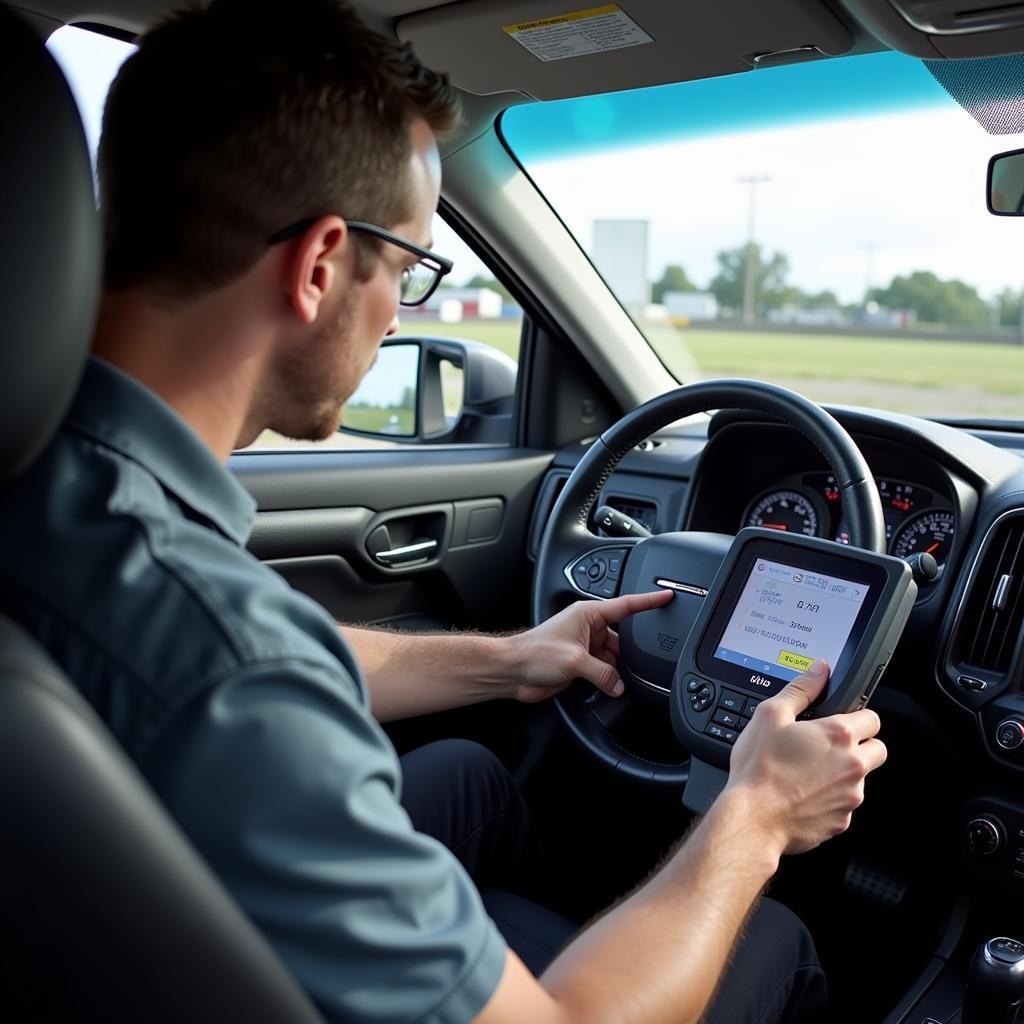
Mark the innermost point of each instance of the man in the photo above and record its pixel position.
(263, 168)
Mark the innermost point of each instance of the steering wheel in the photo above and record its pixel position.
(573, 562)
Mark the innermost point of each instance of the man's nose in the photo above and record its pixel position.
(392, 327)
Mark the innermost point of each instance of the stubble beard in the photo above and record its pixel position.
(314, 380)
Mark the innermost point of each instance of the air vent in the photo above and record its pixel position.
(993, 609)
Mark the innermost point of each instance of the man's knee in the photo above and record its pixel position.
(777, 932)
(774, 977)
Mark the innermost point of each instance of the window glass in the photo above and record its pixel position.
(89, 62)
(822, 226)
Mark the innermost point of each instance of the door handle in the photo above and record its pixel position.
(410, 553)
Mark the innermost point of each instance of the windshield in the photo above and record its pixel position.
(822, 226)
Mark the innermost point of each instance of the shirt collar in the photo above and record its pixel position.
(115, 410)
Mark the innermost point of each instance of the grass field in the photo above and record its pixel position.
(946, 378)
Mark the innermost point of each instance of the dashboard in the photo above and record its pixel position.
(952, 699)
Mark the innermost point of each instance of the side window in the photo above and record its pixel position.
(447, 376)
(89, 62)
(451, 378)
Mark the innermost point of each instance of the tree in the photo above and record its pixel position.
(1008, 306)
(770, 290)
(674, 279)
(480, 281)
(933, 300)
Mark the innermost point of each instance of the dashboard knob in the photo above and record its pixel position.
(1010, 733)
(984, 836)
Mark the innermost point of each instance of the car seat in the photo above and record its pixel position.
(106, 913)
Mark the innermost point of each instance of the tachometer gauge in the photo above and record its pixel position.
(787, 511)
(931, 531)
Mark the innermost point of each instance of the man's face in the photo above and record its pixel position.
(321, 374)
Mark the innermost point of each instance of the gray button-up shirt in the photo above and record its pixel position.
(122, 551)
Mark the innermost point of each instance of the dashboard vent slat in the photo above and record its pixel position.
(993, 609)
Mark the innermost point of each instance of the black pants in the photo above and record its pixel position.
(459, 793)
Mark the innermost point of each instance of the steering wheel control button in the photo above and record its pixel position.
(606, 589)
(595, 570)
(614, 565)
(730, 721)
(1010, 734)
(983, 837)
(731, 701)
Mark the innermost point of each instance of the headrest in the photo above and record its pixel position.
(49, 228)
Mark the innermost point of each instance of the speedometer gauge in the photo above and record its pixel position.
(931, 532)
(787, 511)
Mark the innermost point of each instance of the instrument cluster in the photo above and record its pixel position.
(917, 518)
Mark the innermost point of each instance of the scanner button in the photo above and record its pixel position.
(751, 706)
(730, 721)
(731, 701)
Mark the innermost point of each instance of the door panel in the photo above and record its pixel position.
(457, 516)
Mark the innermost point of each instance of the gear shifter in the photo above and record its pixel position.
(995, 984)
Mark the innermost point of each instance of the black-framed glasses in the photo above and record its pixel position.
(419, 281)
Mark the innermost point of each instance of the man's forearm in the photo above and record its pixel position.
(415, 674)
(659, 955)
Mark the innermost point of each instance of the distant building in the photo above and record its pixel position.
(451, 305)
(682, 307)
(620, 255)
(824, 317)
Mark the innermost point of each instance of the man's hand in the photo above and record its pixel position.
(805, 778)
(577, 643)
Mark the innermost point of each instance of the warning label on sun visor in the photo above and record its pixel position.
(595, 30)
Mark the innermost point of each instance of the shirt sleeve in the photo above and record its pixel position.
(289, 790)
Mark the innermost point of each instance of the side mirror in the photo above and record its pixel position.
(437, 390)
(1006, 184)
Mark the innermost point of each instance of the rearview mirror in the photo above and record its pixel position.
(1006, 184)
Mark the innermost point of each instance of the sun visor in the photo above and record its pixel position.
(552, 49)
(944, 28)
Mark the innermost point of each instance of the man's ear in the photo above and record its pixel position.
(312, 269)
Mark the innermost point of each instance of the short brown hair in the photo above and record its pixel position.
(232, 122)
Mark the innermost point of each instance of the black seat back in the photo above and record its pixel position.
(106, 913)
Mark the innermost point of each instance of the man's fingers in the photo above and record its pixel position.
(864, 724)
(874, 753)
(616, 609)
(602, 675)
(798, 695)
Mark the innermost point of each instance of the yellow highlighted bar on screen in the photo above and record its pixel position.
(798, 661)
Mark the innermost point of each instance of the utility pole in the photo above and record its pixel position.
(870, 247)
(750, 263)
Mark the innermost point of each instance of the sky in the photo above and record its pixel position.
(871, 192)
